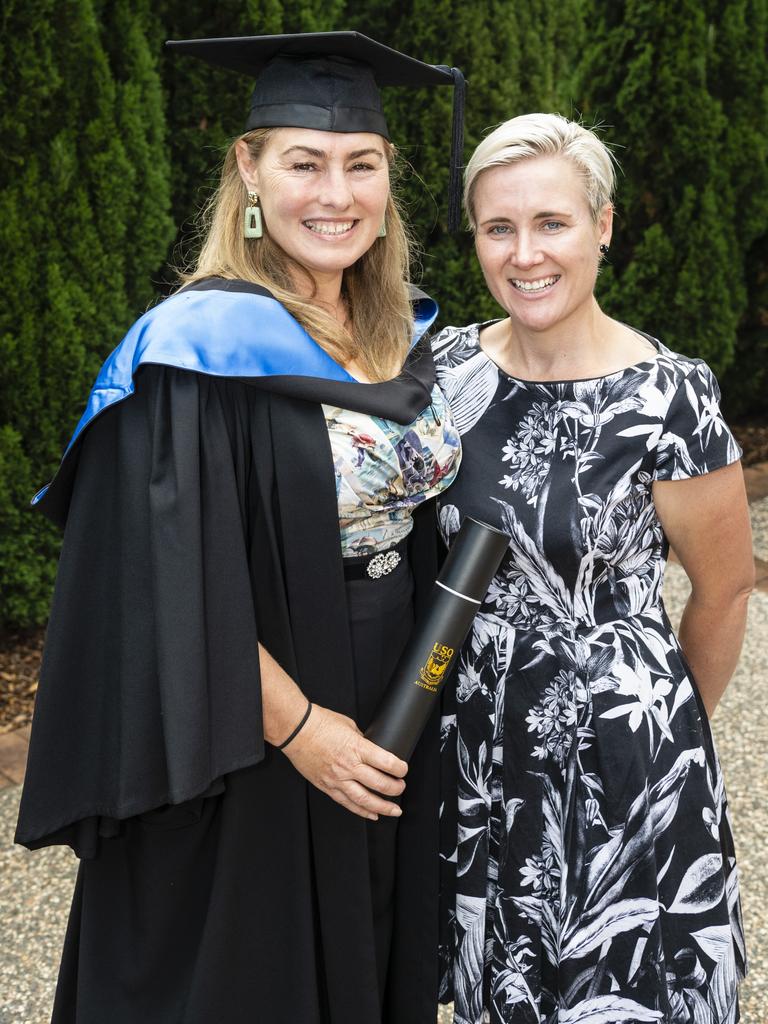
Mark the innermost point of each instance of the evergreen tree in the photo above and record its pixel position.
(69, 222)
(132, 36)
(552, 37)
(109, 141)
(49, 119)
(513, 65)
(746, 382)
(676, 265)
(739, 79)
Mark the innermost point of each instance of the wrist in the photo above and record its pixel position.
(281, 718)
(297, 728)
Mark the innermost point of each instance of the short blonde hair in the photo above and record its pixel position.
(532, 135)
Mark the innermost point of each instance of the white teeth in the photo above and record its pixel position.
(535, 286)
(325, 228)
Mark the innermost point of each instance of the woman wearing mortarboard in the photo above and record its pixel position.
(241, 557)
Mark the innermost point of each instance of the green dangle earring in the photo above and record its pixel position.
(252, 226)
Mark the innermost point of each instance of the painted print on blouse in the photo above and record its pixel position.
(384, 470)
(588, 869)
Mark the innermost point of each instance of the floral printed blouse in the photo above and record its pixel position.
(384, 470)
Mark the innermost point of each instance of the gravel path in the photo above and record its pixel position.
(759, 514)
(35, 888)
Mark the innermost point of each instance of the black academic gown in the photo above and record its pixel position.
(216, 884)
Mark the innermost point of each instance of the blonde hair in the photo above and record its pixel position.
(532, 135)
(376, 286)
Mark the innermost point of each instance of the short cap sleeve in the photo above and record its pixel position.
(695, 438)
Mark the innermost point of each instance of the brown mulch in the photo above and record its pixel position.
(19, 668)
(20, 652)
(752, 435)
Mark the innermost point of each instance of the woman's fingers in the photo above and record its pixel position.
(368, 802)
(349, 805)
(378, 781)
(354, 766)
(382, 759)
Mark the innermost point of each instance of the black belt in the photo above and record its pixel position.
(373, 567)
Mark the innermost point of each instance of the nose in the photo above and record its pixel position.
(526, 252)
(336, 191)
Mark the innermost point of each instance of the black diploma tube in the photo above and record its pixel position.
(469, 567)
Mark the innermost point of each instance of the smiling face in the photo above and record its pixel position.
(537, 242)
(323, 195)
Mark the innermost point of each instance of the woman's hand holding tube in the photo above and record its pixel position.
(329, 750)
(332, 754)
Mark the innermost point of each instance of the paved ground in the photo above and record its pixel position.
(35, 888)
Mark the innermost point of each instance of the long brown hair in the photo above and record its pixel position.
(375, 286)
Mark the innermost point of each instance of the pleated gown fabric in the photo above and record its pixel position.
(202, 519)
(186, 913)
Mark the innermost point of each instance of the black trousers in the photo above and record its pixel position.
(381, 618)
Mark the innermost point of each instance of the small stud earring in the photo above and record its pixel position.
(603, 249)
(383, 229)
(252, 227)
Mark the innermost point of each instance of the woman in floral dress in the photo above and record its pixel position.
(589, 871)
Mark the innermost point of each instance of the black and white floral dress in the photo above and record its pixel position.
(587, 858)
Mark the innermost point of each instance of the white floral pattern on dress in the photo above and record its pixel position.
(588, 866)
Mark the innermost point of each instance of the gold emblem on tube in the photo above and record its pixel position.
(431, 674)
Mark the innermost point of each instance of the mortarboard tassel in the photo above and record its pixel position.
(457, 151)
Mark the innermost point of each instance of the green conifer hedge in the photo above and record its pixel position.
(738, 78)
(672, 82)
(110, 146)
(83, 223)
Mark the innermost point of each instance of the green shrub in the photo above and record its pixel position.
(82, 252)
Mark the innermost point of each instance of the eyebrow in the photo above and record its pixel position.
(320, 155)
(544, 215)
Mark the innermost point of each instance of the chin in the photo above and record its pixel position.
(317, 265)
(541, 324)
(538, 323)
(539, 319)
(327, 263)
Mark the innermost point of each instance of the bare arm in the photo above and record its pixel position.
(706, 520)
(330, 751)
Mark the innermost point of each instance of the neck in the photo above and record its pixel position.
(561, 350)
(324, 290)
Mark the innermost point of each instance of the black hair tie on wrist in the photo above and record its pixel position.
(299, 727)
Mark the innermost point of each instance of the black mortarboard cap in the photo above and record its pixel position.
(329, 81)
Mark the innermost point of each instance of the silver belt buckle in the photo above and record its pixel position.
(383, 564)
